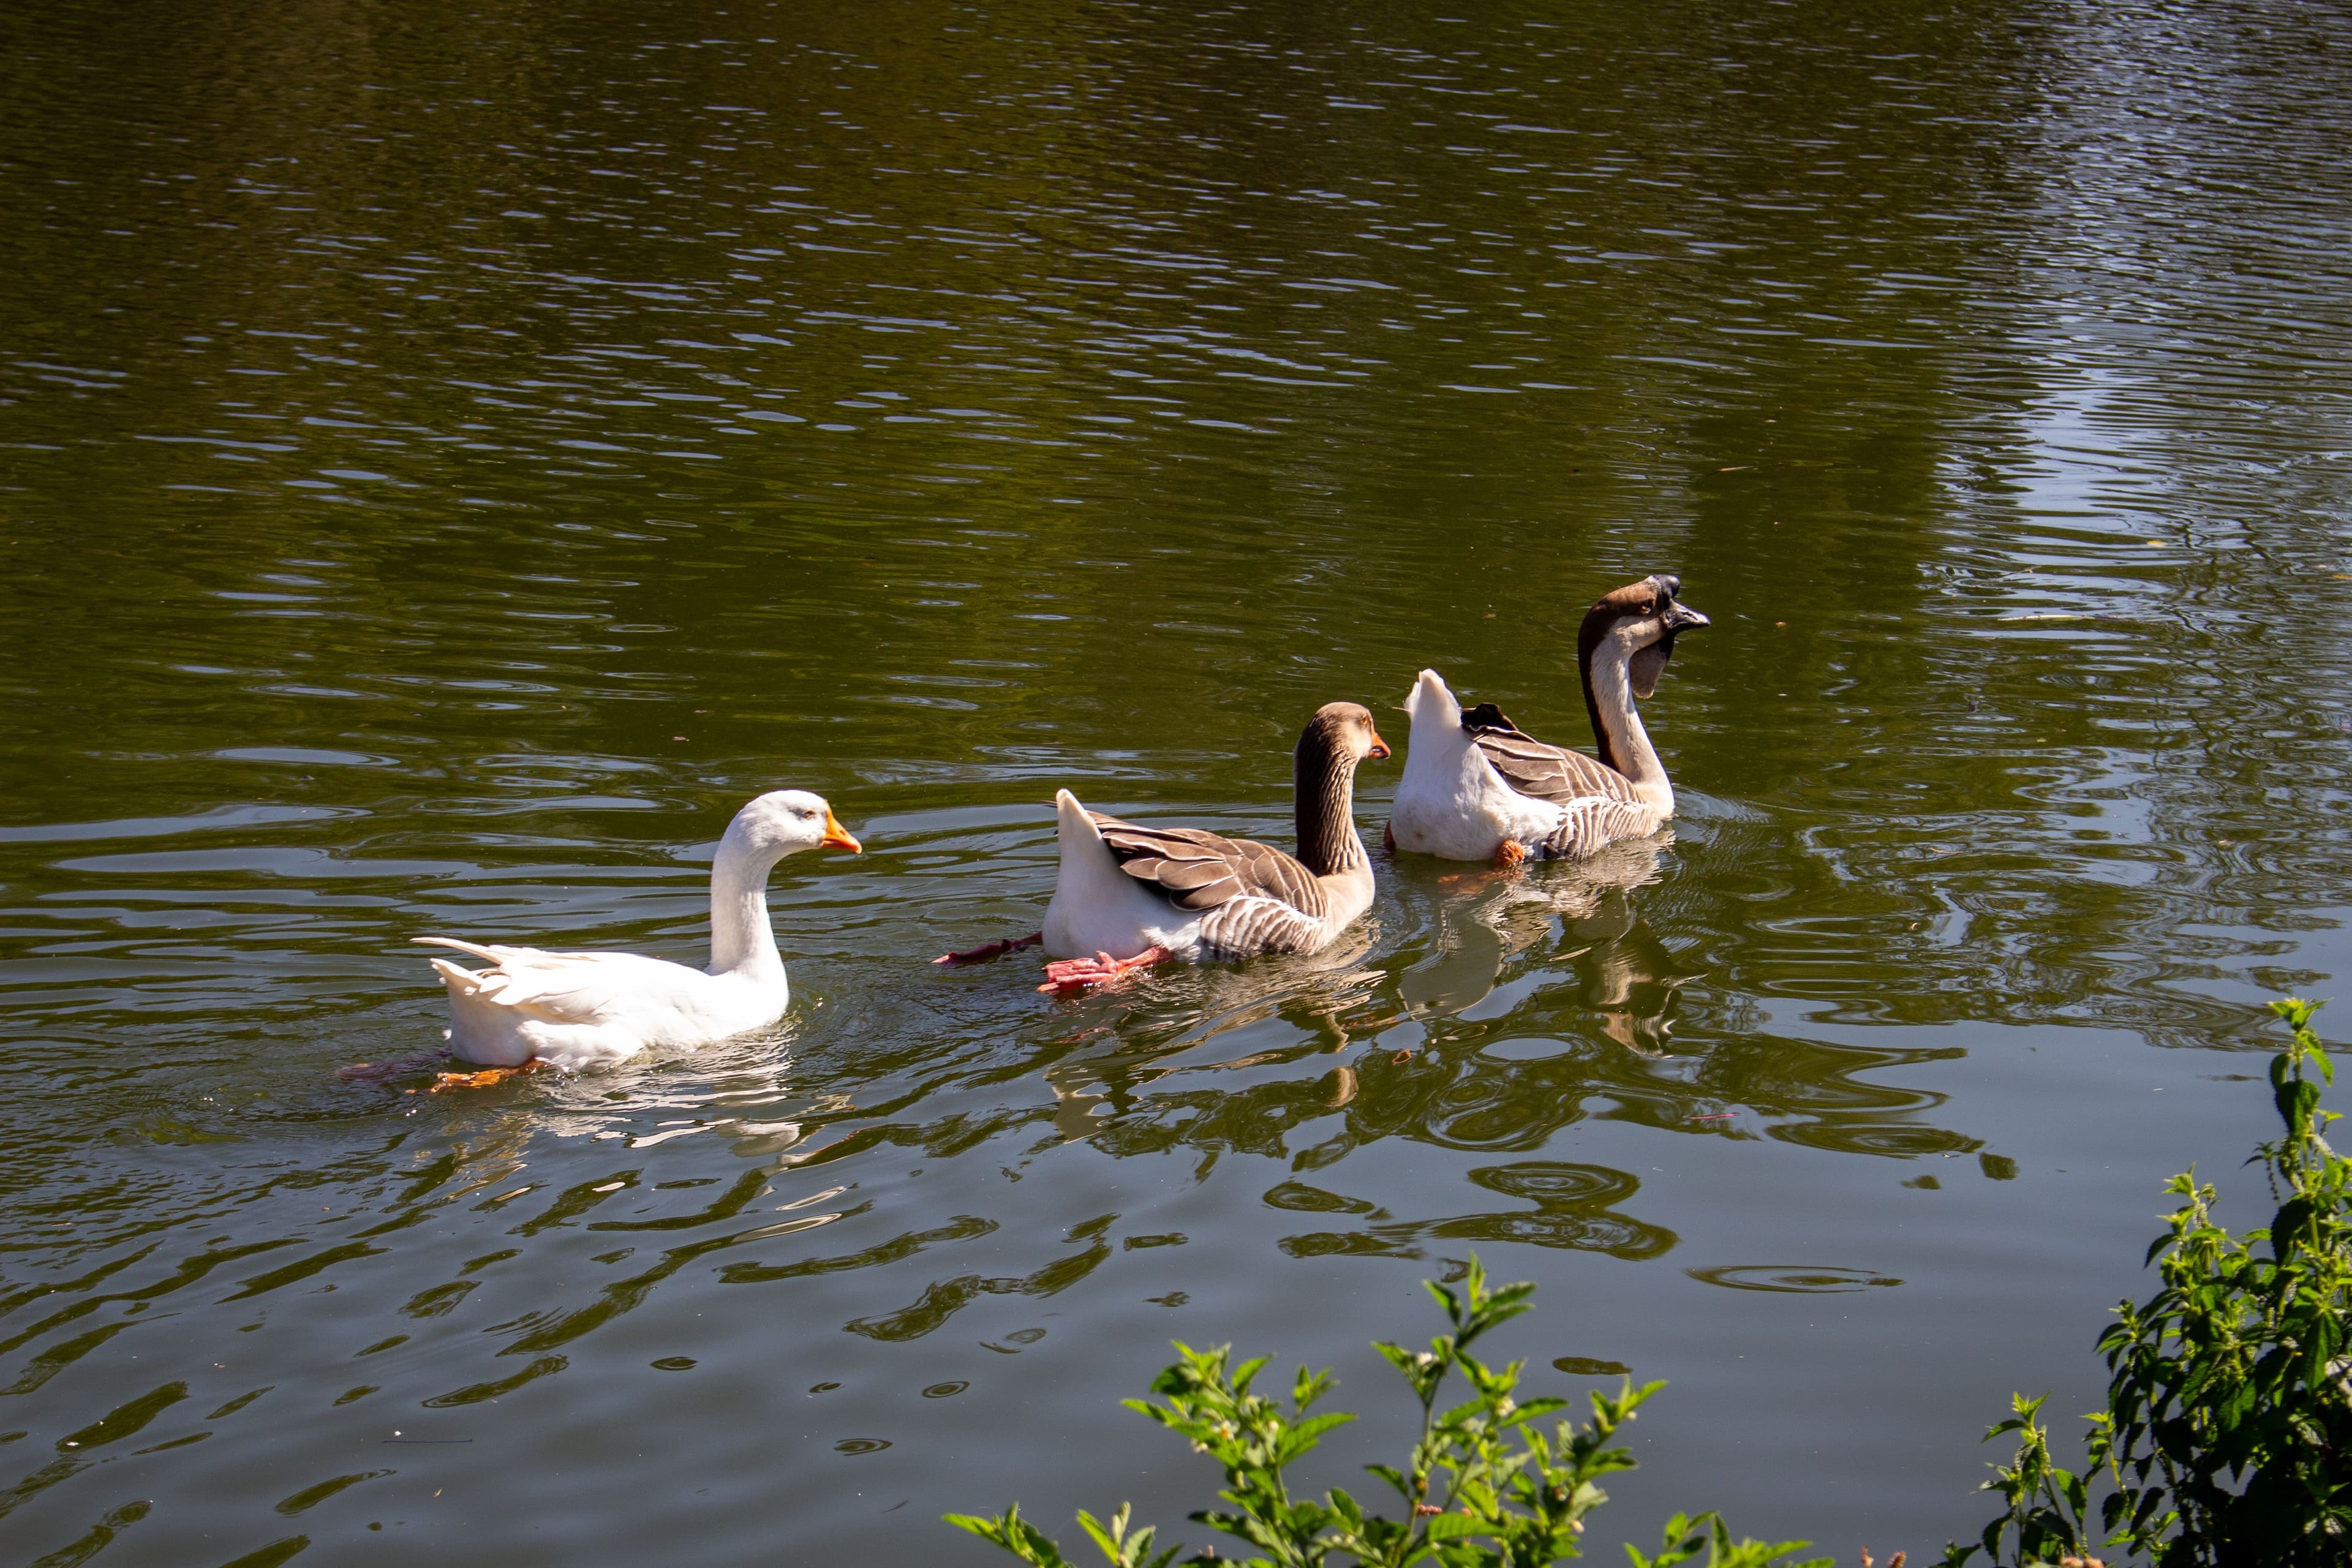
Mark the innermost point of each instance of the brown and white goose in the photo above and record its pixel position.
(1128, 896)
(1476, 787)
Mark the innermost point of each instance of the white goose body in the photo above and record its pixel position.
(1450, 802)
(1098, 908)
(1125, 891)
(1477, 788)
(573, 1010)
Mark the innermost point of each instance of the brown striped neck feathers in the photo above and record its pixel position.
(1340, 736)
(1621, 650)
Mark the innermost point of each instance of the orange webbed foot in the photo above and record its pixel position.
(1102, 969)
(486, 1077)
(1511, 852)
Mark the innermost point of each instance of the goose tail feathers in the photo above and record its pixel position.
(489, 954)
(460, 979)
(1073, 822)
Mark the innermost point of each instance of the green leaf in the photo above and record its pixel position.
(2297, 1100)
(1303, 1436)
(1455, 1526)
(1015, 1535)
(1108, 1540)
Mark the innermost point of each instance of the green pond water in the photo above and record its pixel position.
(451, 457)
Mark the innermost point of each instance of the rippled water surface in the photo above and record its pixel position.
(455, 454)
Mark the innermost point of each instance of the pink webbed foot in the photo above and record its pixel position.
(987, 950)
(1102, 969)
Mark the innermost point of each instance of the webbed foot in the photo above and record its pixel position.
(486, 1077)
(1102, 969)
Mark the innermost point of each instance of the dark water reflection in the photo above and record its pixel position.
(448, 459)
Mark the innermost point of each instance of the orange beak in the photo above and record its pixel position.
(836, 837)
(1380, 747)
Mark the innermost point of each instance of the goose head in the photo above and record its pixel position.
(787, 821)
(1343, 732)
(1638, 621)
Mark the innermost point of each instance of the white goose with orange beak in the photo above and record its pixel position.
(1476, 787)
(571, 1010)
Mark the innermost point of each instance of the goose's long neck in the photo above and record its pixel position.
(1617, 725)
(1325, 807)
(742, 939)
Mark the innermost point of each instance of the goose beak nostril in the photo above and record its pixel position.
(836, 837)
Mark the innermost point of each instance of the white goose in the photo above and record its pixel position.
(1476, 787)
(1128, 897)
(573, 1010)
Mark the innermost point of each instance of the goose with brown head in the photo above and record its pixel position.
(1130, 895)
(1476, 787)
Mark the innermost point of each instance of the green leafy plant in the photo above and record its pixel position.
(2227, 1437)
(2048, 1504)
(1482, 1486)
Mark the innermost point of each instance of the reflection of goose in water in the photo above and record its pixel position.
(1632, 987)
(1327, 1000)
(745, 1092)
(1476, 787)
(1575, 1207)
(1626, 973)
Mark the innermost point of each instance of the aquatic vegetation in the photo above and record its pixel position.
(1482, 1484)
(2228, 1433)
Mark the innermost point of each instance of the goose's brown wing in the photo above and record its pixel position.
(1537, 771)
(1199, 872)
(1588, 827)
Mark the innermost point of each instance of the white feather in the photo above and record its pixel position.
(1098, 908)
(1450, 802)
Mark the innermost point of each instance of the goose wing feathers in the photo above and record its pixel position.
(555, 987)
(1536, 770)
(1200, 872)
(1590, 825)
(1251, 897)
